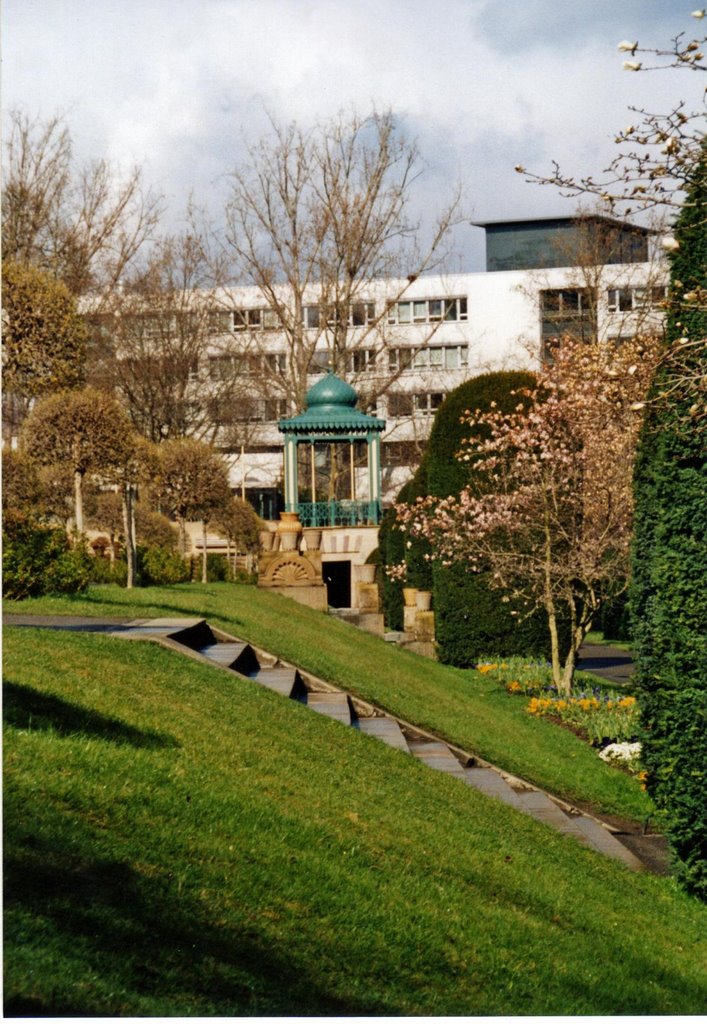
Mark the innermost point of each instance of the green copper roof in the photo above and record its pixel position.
(331, 407)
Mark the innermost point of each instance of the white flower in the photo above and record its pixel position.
(699, 14)
(519, 168)
(670, 244)
(631, 65)
(626, 47)
(622, 752)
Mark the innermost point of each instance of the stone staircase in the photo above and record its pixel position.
(204, 643)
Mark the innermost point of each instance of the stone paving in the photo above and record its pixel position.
(196, 638)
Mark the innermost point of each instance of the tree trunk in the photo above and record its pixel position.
(182, 536)
(576, 637)
(551, 610)
(127, 527)
(204, 574)
(554, 646)
(78, 500)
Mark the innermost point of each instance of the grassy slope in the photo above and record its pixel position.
(464, 707)
(181, 842)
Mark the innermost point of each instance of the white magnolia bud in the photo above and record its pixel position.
(670, 244)
(626, 47)
(631, 65)
(698, 14)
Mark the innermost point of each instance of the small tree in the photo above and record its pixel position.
(239, 523)
(44, 340)
(192, 483)
(549, 512)
(86, 431)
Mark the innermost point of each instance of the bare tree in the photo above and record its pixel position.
(316, 219)
(162, 344)
(85, 225)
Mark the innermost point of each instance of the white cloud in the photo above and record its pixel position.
(178, 84)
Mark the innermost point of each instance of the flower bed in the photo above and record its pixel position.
(601, 716)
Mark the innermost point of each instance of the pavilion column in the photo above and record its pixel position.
(290, 473)
(374, 468)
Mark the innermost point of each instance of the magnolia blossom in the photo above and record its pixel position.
(548, 510)
(632, 65)
(626, 47)
(698, 14)
(670, 243)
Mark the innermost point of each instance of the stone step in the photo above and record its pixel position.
(333, 705)
(601, 840)
(541, 807)
(385, 729)
(284, 681)
(437, 755)
(490, 782)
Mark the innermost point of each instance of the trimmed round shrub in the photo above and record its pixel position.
(160, 567)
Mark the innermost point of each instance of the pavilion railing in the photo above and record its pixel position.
(339, 513)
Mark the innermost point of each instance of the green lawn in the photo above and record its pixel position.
(462, 706)
(181, 842)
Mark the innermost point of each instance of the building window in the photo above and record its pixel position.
(427, 403)
(361, 314)
(399, 404)
(567, 311)
(361, 360)
(403, 403)
(429, 357)
(623, 300)
(427, 311)
(265, 319)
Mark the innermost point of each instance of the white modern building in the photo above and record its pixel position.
(406, 353)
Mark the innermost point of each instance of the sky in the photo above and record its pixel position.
(180, 87)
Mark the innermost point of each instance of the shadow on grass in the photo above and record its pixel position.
(26, 708)
(112, 940)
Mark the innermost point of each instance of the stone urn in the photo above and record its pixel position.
(423, 600)
(312, 537)
(409, 596)
(288, 530)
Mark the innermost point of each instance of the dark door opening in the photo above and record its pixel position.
(337, 576)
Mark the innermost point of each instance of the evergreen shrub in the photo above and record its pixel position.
(669, 596)
(40, 560)
(161, 567)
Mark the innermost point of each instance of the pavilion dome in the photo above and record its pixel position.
(331, 392)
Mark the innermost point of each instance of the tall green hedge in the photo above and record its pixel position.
(471, 620)
(669, 590)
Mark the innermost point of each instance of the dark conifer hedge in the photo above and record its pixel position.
(669, 588)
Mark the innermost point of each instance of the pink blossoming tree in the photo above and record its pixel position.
(548, 511)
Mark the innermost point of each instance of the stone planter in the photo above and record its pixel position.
(312, 538)
(289, 530)
(409, 596)
(423, 600)
(366, 573)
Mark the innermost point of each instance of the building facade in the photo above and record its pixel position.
(406, 353)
